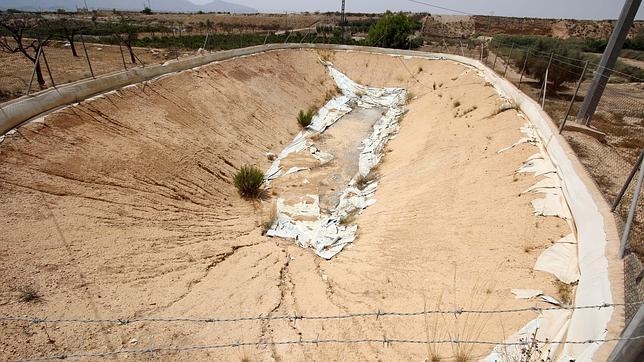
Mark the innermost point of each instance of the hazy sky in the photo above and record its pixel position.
(578, 9)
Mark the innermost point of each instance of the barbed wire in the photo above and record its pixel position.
(377, 314)
(385, 342)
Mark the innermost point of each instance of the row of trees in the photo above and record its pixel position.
(27, 34)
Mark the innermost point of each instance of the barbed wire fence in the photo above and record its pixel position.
(384, 341)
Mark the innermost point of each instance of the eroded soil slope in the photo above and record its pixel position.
(123, 207)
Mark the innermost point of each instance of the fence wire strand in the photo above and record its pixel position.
(377, 314)
(384, 341)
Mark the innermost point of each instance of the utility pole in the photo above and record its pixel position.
(343, 16)
(622, 26)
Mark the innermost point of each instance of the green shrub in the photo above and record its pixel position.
(394, 31)
(248, 181)
(305, 118)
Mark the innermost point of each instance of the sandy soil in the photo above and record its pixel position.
(123, 207)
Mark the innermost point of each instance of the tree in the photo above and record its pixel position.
(18, 27)
(393, 31)
(68, 29)
(146, 11)
(566, 65)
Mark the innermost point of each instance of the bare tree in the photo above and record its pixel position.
(26, 35)
(68, 29)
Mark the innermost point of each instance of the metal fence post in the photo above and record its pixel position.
(33, 73)
(619, 197)
(572, 101)
(89, 62)
(631, 211)
(496, 55)
(525, 63)
(461, 45)
(266, 39)
(482, 44)
(44, 56)
(205, 42)
(545, 81)
(507, 60)
(123, 56)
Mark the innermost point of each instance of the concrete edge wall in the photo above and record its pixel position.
(15, 112)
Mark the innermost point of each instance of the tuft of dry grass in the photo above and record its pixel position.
(456, 104)
(433, 331)
(364, 181)
(564, 291)
(469, 326)
(326, 55)
(270, 219)
(29, 294)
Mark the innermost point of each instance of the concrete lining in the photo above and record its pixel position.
(595, 223)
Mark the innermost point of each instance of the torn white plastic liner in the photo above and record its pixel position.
(561, 260)
(550, 325)
(304, 221)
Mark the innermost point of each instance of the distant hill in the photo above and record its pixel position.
(157, 5)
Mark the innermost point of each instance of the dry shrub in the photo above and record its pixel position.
(564, 291)
(29, 294)
(270, 219)
(326, 55)
(469, 326)
(364, 181)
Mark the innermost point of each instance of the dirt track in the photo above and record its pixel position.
(123, 207)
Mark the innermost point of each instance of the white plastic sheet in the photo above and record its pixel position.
(303, 220)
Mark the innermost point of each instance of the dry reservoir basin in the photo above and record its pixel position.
(122, 207)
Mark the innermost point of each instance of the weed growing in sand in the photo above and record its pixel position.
(456, 104)
(326, 55)
(565, 291)
(364, 181)
(433, 332)
(304, 118)
(469, 326)
(420, 69)
(410, 96)
(434, 86)
(29, 294)
(270, 219)
(248, 181)
(349, 218)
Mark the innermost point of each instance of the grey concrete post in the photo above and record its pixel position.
(630, 350)
(609, 58)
